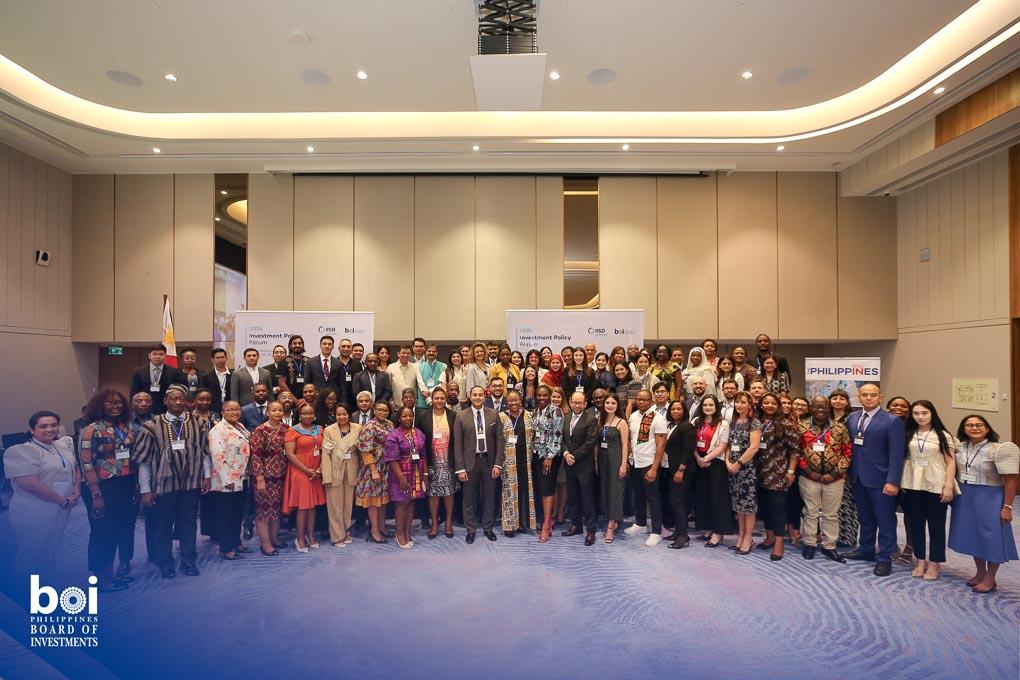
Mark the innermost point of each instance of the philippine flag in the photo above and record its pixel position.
(168, 334)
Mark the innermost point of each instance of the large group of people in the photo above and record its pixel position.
(321, 445)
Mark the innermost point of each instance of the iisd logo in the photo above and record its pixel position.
(76, 625)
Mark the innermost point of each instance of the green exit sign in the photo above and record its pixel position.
(115, 351)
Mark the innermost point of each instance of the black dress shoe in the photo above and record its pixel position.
(124, 569)
(113, 587)
(167, 573)
(189, 570)
(509, 534)
(242, 549)
(679, 542)
(775, 558)
(833, 555)
(574, 530)
(272, 553)
(860, 556)
(764, 546)
(523, 530)
(248, 533)
(489, 534)
(808, 552)
(589, 538)
(672, 537)
(470, 538)
(883, 569)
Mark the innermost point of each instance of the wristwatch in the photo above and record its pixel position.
(66, 504)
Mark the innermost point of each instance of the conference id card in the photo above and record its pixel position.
(346, 456)
(300, 379)
(154, 388)
(969, 477)
(859, 440)
(702, 445)
(177, 445)
(480, 435)
(605, 445)
(511, 441)
(734, 447)
(316, 452)
(763, 447)
(348, 377)
(818, 447)
(415, 456)
(922, 461)
(122, 453)
(579, 390)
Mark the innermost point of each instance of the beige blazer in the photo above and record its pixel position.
(336, 470)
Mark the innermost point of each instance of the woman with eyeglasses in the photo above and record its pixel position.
(229, 451)
(981, 526)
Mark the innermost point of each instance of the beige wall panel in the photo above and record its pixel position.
(505, 247)
(923, 280)
(986, 230)
(270, 241)
(92, 252)
(688, 276)
(807, 250)
(65, 251)
(13, 249)
(194, 244)
(143, 262)
(444, 247)
(747, 232)
(945, 256)
(384, 254)
(1000, 220)
(867, 238)
(28, 237)
(957, 202)
(971, 220)
(549, 253)
(628, 247)
(324, 243)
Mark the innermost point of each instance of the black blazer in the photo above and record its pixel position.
(588, 383)
(423, 421)
(582, 443)
(680, 443)
(313, 373)
(210, 382)
(141, 379)
(347, 393)
(489, 403)
(383, 389)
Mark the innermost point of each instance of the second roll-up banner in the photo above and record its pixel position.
(263, 330)
(534, 328)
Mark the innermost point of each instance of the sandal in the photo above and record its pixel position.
(906, 555)
(610, 534)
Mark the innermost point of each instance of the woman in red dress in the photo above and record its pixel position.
(302, 490)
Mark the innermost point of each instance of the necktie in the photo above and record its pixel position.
(364, 418)
(481, 430)
(861, 426)
(573, 421)
(155, 375)
(262, 411)
(325, 368)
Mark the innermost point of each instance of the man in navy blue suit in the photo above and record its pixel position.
(876, 468)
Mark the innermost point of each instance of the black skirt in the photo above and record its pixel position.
(713, 510)
(545, 484)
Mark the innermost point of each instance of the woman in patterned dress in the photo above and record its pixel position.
(547, 447)
(849, 522)
(518, 496)
(745, 437)
(777, 461)
(268, 467)
(614, 439)
(403, 451)
(437, 424)
(373, 490)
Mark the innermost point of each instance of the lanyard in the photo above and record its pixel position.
(177, 431)
(119, 434)
(922, 442)
(580, 377)
(970, 461)
(513, 425)
(52, 449)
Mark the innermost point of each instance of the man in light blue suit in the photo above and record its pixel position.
(876, 468)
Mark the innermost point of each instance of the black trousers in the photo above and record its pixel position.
(646, 494)
(175, 512)
(480, 478)
(666, 498)
(249, 504)
(227, 512)
(105, 533)
(149, 515)
(772, 509)
(581, 492)
(925, 509)
(678, 502)
(794, 503)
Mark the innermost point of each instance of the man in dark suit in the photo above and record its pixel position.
(217, 381)
(246, 377)
(876, 468)
(349, 367)
(254, 414)
(323, 370)
(497, 395)
(373, 380)
(478, 460)
(154, 377)
(277, 370)
(579, 431)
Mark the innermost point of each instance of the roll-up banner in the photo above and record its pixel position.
(823, 375)
(264, 329)
(534, 328)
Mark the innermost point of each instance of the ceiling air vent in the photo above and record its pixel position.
(507, 27)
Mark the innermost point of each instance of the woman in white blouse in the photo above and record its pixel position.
(229, 452)
(476, 374)
(46, 485)
(455, 372)
(340, 474)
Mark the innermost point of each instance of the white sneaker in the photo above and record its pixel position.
(635, 529)
(653, 540)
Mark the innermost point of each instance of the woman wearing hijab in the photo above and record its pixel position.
(697, 366)
(554, 375)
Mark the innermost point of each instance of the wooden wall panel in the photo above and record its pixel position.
(748, 238)
(444, 257)
(806, 213)
(987, 103)
(505, 247)
(270, 241)
(549, 252)
(866, 247)
(384, 254)
(628, 247)
(143, 255)
(324, 243)
(92, 254)
(688, 276)
(194, 255)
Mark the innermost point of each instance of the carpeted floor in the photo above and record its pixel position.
(518, 609)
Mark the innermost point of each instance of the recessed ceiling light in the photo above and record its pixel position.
(602, 76)
(746, 75)
(554, 75)
(156, 149)
(780, 147)
(124, 78)
(216, 219)
(625, 147)
(310, 149)
(223, 192)
(170, 77)
(300, 38)
(362, 75)
(938, 90)
(314, 76)
(475, 147)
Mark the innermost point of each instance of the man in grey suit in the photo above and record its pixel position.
(478, 459)
(247, 376)
(579, 431)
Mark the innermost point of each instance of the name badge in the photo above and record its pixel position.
(605, 445)
(480, 435)
(511, 441)
(122, 454)
(154, 388)
(192, 389)
(702, 445)
(348, 377)
(734, 447)
(970, 477)
(437, 435)
(317, 452)
(859, 440)
(415, 456)
(578, 390)
(430, 384)
(346, 456)
(763, 447)
(922, 462)
(818, 447)
(177, 445)
(300, 379)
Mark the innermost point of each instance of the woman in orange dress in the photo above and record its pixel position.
(302, 490)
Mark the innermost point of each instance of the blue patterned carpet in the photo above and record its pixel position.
(518, 609)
